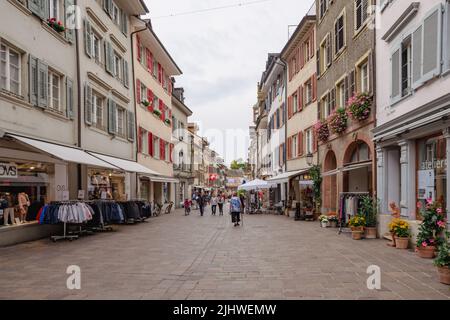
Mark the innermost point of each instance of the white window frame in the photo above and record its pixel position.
(167, 151)
(144, 139)
(294, 150)
(51, 8)
(121, 110)
(364, 15)
(115, 10)
(295, 103)
(408, 42)
(144, 96)
(337, 51)
(50, 88)
(96, 49)
(340, 93)
(308, 92)
(96, 97)
(309, 141)
(117, 64)
(156, 146)
(7, 73)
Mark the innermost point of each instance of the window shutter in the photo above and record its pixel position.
(138, 91)
(417, 38)
(150, 99)
(126, 74)
(109, 58)
(432, 45)
(87, 104)
(161, 150)
(395, 76)
(112, 117)
(131, 126)
(149, 59)
(150, 144)
(332, 98)
(346, 89)
(371, 74)
(39, 8)
(302, 57)
(311, 44)
(34, 82)
(88, 38)
(70, 20)
(161, 108)
(42, 84)
(290, 109)
(314, 138)
(300, 143)
(314, 87)
(69, 98)
(138, 48)
(319, 71)
(159, 73)
(352, 81)
(139, 145)
(447, 38)
(289, 146)
(171, 153)
(300, 98)
(329, 44)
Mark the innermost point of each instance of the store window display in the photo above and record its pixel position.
(106, 185)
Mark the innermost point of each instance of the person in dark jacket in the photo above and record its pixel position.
(201, 203)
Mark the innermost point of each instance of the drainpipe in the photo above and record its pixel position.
(79, 107)
(284, 64)
(134, 95)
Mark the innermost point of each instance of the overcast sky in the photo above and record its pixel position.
(222, 54)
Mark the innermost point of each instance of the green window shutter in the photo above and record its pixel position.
(33, 80)
(42, 84)
(417, 57)
(447, 38)
(39, 8)
(69, 98)
(126, 24)
(112, 117)
(131, 125)
(109, 58)
(126, 76)
(70, 20)
(88, 104)
(88, 38)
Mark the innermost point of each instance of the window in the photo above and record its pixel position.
(309, 141)
(406, 67)
(116, 14)
(117, 65)
(308, 92)
(144, 140)
(54, 91)
(121, 121)
(96, 47)
(54, 9)
(363, 77)
(156, 147)
(327, 107)
(294, 147)
(144, 96)
(361, 153)
(10, 61)
(361, 13)
(339, 33)
(307, 50)
(155, 101)
(323, 7)
(98, 107)
(295, 101)
(340, 90)
(166, 151)
(155, 68)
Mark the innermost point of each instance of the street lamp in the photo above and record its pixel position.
(309, 159)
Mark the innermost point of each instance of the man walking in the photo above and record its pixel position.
(235, 209)
(201, 203)
(220, 202)
(213, 204)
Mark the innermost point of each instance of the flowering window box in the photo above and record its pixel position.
(167, 121)
(322, 130)
(338, 121)
(56, 25)
(359, 106)
(157, 113)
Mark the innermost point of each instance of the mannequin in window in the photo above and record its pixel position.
(24, 203)
(8, 213)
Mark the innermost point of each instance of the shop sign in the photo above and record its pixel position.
(8, 171)
(432, 165)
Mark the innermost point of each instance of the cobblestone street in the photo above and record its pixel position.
(193, 257)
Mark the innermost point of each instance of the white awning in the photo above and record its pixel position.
(330, 173)
(65, 153)
(357, 166)
(164, 179)
(284, 177)
(125, 165)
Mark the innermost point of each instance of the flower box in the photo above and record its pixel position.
(322, 131)
(145, 103)
(359, 106)
(157, 113)
(168, 122)
(338, 121)
(56, 25)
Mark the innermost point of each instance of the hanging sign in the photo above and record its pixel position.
(8, 171)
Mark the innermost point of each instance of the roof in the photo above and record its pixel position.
(182, 106)
(299, 32)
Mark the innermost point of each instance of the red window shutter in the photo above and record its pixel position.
(161, 108)
(149, 58)
(150, 99)
(159, 73)
(171, 152)
(163, 77)
(138, 91)
(289, 107)
(314, 87)
(300, 143)
(151, 63)
(162, 149)
(300, 98)
(302, 56)
(311, 44)
(140, 140)
(138, 48)
(150, 144)
(289, 147)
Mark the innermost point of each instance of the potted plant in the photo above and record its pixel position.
(323, 221)
(401, 232)
(432, 225)
(357, 224)
(56, 25)
(442, 261)
(338, 121)
(333, 220)
(369, 209)
(157, 113)
(322, 131)
(146, 103)
(358, 106)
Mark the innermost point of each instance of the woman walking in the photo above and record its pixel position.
(201, 203)
(235, 209)
(220, 202)
(214, 202)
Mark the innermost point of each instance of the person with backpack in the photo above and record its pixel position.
(235, 209)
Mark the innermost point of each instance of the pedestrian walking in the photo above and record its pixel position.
(214, 202)
(220, 203)
(242, 198)
(235, 209)
(201, 203)
(187, 207)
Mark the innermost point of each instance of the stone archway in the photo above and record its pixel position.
(360, 179)
(329, 184)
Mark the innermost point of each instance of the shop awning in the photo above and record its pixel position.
(330, 173)
(256, 184)
(69, 154)
(357, 166)
(284, 177)
(163, 179)
(125, 165)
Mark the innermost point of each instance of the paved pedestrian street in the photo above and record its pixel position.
(193, 257)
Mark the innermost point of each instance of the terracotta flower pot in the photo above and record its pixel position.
(444, 275)
(357, 235)
(427, 252)
(361, 229)
(371, 233)
(401, 243)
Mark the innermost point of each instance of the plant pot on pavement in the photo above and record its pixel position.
(324, 224)
(401, 243)
(371, 232)
(357, 235)
(444, 275)
(428, 252)
(333, 224)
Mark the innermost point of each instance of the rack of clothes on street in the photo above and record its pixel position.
(135, 210)
(67, 212)
(349, 206)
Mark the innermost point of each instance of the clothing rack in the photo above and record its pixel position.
(65, 236)
(341, 220)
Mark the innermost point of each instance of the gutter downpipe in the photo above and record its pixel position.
(79, 137)
(284, 64)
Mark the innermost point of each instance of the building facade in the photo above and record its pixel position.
(345, 54)
(412, 134)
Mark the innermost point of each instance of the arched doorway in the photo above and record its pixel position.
(329, 184)
(357, 171)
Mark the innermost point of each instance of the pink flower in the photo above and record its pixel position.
(424, 244)
(419, 205)
(430, 201)
(441, 224)
(439, 210)
(431, 240)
